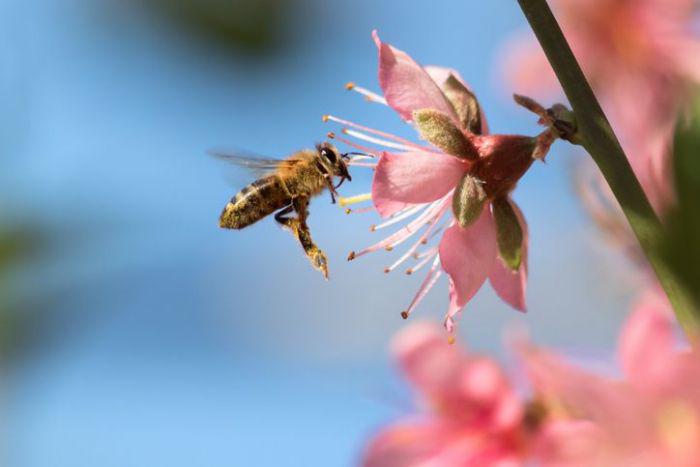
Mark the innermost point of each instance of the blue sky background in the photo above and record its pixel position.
(167, 341)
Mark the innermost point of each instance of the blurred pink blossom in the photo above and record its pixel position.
(419, 182)
(642, 58)
(649, 417)
(472, 418)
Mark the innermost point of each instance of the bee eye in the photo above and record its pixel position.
(329, 154)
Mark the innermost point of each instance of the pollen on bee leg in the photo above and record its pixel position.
(346, 201)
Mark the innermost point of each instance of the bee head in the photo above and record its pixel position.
(333, 162)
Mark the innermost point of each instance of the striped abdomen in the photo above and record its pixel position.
(259, 199)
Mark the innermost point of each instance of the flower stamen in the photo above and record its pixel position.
(399, 217)
(428, 256)
(369, 130)
(352, 144)
(359, 210)
(374, 140)
(428, 283)
(369, 95)
(350, 200)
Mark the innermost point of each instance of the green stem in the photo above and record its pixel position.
(600, 141)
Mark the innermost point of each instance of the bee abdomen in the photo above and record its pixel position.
(254, 202)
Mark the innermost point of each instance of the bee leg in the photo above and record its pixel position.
(279, 216)
(331, 187)
(298, 227)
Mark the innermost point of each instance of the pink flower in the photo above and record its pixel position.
(642, 58)
(650, 417)
(458, 187)
(472, 417)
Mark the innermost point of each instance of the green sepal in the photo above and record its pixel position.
(465, 104)
(509, 233)
(438, 129)
(468, 200)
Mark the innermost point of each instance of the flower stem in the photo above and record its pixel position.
(598, 138)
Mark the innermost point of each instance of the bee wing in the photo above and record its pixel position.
(258, 165)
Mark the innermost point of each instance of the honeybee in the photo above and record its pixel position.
(285, 187)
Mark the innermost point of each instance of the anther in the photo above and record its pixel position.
(404, 314)
(409, 271)
(351, 256)
(348, 210)
(387, 270)
(388, 248)
(451, 340)
(373, 227)
(330, 135)
(349, 85)
(325, 118)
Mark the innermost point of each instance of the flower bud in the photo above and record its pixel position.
(465, 104)
(468, 200)
(509, 233)
(438, 129)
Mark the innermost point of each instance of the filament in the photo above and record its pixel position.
(398, 218)
(369, 95)
(429, 255)
(379, 141)
(428, 283)
(382, 134)
(350, 143)
(372, 165)
(347, 201)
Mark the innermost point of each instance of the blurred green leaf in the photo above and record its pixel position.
(682, 248)
(254, 26)
(17, 316)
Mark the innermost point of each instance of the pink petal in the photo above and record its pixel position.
(568, 443)
(433, 443)
(406, 85)
(589, 396)
(429, 362)
(646, 348)
(413, 178)
(468, 256)
(510, 285)
(439, 74)
(407, 443)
